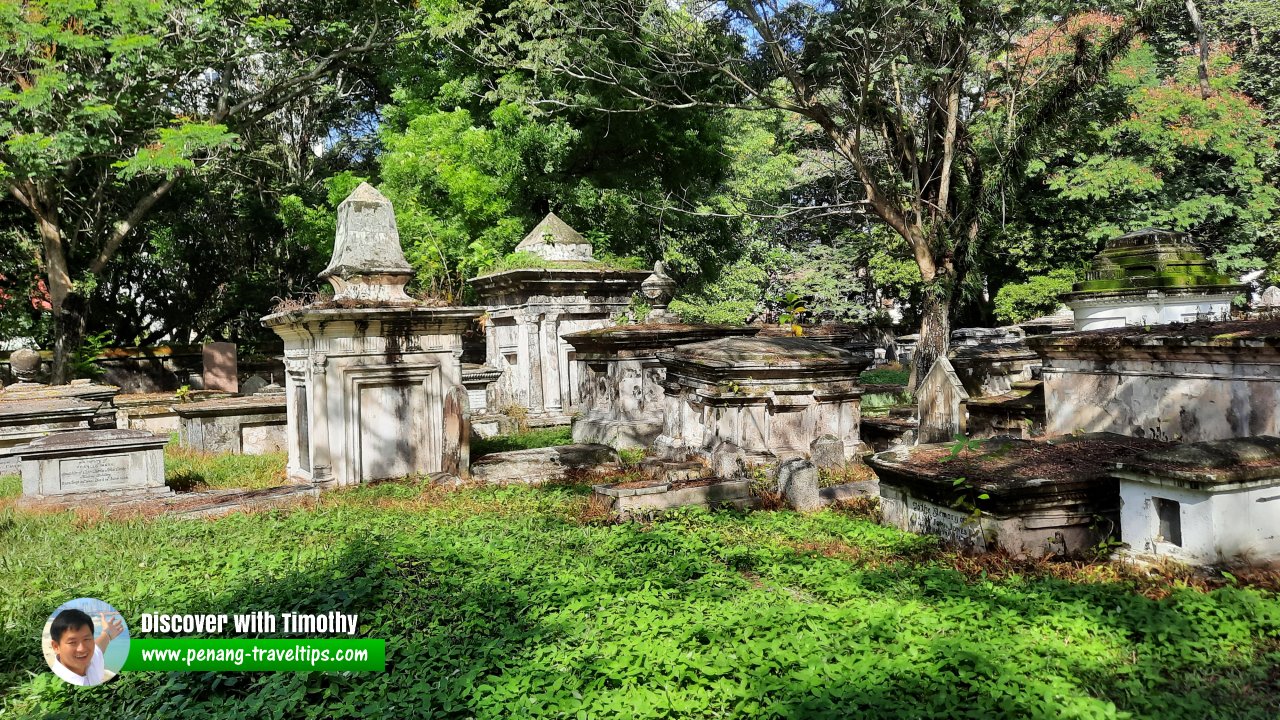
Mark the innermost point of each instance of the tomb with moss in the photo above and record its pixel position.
(1150, 277)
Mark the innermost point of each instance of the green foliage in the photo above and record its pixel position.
(495, 602)
(631, 457)
(1019, 302)
(885, 376)
(1148, 150)
(194, 115)
(526, 440)
(188, 470)
(84, 361)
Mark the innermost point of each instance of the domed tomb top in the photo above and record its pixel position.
(553, 239)
(1151, 259)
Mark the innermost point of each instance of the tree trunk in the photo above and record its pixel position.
(935, 329)
(68, 335)
(1203, 40)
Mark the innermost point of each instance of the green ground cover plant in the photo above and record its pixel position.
(505, 602)
(889, 375)
(527, 440)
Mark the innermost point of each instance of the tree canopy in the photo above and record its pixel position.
(172, 166)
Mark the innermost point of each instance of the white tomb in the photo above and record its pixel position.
(1150, 277)
(532, 309)
(1206, 503)
(373, 378)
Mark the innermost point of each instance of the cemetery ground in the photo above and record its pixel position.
(526, 602)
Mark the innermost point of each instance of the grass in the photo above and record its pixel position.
(527, 440)
(505, 602)
(186, 470)
(888, 375)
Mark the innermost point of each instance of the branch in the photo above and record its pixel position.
(297, 84)
(126, 226)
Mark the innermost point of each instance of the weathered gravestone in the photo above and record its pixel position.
(220, 368)
(89, 465)
(827, 451)
(798, 483)
(943, 414)
(253, 385)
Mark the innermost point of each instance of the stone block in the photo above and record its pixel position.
(631, 502)
(729, 461)
(92, 464)
(221, 372)
(540, 464)
(827, 451)
(798, 483)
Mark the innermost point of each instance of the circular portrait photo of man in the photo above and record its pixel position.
(85, 641)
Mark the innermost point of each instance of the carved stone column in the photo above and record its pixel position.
(321, 463)
(533, 330)
(552, 391)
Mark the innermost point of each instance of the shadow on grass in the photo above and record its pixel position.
(489, 617)
(528, 440)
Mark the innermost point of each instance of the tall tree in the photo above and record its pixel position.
(104, 107)
(932, 106)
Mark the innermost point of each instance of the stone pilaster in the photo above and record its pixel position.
(321, 462)
(533, 330)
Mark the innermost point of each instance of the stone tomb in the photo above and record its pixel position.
(373, 378)
(1206, 381)
(88, 465)
(155, 412)
(22, 421)
(1150, 277)
(248, 425)
(1041, 498)
(762, 398)
(622, 400)
(1204, 503)
(990, 361)
(531, 309)
(102, 397)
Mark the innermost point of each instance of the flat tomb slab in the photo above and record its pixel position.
(630, 499)
(93, 464)
(538, 465)
(1029, 498)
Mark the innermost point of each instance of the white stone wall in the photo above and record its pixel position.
(1154, 309)
(1232, 523)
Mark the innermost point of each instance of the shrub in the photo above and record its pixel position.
(1019, 302)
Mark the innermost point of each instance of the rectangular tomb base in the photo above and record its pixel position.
(83, 465)
(640, 501)
(1035, 533)
(1208, 503)
(619, 434)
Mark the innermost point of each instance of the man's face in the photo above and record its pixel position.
(75, 650)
